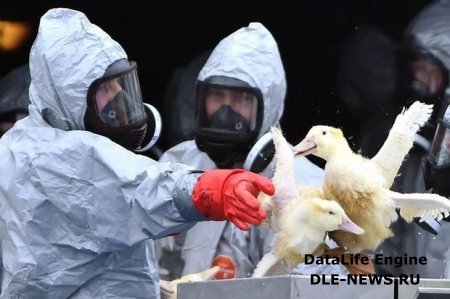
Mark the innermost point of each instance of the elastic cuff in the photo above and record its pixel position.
(183, 201)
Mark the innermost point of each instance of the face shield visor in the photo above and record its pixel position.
(440, 148)
(117, 98)
(437, 164)
(116, 110)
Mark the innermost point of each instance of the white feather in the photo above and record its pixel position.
(283, 180)
(413, 118)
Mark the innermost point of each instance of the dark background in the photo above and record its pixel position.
(164, 35)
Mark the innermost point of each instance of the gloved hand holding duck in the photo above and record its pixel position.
(361, 186)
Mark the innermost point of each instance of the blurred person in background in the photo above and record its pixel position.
(424, 64)
(14, 99)
(375, 84)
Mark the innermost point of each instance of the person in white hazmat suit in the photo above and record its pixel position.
(79, 211)
(240, 95)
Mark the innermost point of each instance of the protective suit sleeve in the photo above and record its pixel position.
(88, 192)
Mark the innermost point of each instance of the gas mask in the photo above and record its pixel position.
(436, 166)
(228, 119)
(225, 118)
(115, 109)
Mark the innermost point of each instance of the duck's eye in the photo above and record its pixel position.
(331, 212)
(324, 132)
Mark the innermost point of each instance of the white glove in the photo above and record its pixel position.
(169, 288)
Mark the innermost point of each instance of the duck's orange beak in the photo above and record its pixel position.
(350, 226)
(306, 147)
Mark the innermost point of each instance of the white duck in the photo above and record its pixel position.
(300, 217)
(361, 185)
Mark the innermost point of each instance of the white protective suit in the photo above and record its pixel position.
(431, 30)
(78, 211)
(251, 55)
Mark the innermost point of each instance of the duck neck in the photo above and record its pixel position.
(340, 150)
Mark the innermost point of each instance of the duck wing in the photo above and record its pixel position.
(283, 180)
(420, 205)
(286, 194)
(400, 140)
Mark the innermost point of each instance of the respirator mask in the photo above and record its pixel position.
(229, 116)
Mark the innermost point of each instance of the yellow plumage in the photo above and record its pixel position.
(356, 184)
(361, 186)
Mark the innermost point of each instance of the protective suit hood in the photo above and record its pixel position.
(431, 30)
(251, 54)
(68, 54)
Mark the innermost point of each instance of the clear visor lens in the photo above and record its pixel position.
(229, 110)
(119, 101)
(440, 149)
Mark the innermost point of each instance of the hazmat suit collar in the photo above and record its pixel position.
(69, 53)
(251, 54)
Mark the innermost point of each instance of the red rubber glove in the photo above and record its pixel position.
(222, 194)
